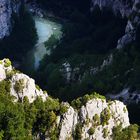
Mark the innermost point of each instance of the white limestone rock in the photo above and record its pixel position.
(118, 115)
(22, 85)
(26, 87)
(67, 71)
(68, 124)
(93, 107)
(29, 88)
(4, 69)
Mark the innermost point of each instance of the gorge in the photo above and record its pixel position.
(74, 50)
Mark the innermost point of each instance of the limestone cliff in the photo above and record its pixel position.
(127, 8)
(7, 8)
(20, 84)
(90, 117)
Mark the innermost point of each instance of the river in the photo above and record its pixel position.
(45, 28)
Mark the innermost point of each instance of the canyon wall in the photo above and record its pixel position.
(7, 9)
(127, 8)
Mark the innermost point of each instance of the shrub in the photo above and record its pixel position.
(86, 98)
(52, 118)
(129, 133)
(78, 132)
(87, 121)
(5, 86)
(10, 73)
(37, 87)
(105, 132)
(96, 119)
(52, 104)
(124, 109)
(76, 103)
(1, 134)
(7, 63)
(97, 96)
(91, 131)
(79, 102)
(105, 116)
(63, 108)
(19, 85)
(44, 92)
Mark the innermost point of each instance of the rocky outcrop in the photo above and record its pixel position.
(5, 67)
(127, 8)
(122, 6)
(74, 73)
(21, 85)
(89, 117)
(93, 118)
(28, 88)
(7, 8)
(68, 123)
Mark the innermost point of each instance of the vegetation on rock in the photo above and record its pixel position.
(91, 131)
(105, 116)
(129, 133)
(79, 102)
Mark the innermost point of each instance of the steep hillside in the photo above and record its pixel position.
(128, 8)
(32, 114)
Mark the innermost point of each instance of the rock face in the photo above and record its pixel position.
(21, 85)
(68, 123)
(122, 6)
(7, 8)
(29, 89)
(92, 116)
(127, 8)
(4, 69)
(5, 17)
(72, 74)
(127, 96)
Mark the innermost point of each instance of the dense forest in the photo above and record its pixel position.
(87, 40)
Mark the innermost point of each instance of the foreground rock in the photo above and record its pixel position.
(21, 85)
(89, 117)
(95, 120)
